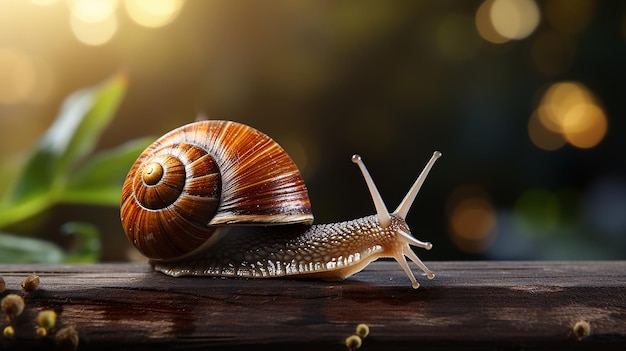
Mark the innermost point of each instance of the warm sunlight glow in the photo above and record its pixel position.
(44, 2)
(153, 13)
(92, 11)
(94, 33)
(17, 76)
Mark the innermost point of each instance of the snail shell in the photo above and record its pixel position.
(204, 175)
(220, 198)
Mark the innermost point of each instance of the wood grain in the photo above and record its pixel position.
(469, 305)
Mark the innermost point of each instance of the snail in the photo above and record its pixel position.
(220, 198)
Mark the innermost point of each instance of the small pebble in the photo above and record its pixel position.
(9, 332)
(353, 342)
(12, 306)
(46, 319)
(362, 330)
(42, 332)
(67, 338)
(31, 283)
(581, 329)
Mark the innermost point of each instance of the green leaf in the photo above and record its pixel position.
(17, 249)
(74, 133)
(104, 102)
(100, 180)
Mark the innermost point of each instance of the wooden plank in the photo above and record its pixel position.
(473, 305)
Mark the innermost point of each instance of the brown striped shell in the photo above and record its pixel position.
(204, 175)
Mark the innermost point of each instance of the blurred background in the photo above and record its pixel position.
(525, 98)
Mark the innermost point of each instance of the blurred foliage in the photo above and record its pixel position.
(58, 172)
(392, 80)
(19, 249)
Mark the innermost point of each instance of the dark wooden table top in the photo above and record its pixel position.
(469, 305)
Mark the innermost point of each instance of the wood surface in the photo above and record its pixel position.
(469, 305)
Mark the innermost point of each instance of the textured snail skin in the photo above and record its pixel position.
(219, 198)
(327, 251)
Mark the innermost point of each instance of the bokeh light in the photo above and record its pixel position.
(23, 78)
(472, 218)
(94, 33)
(484, 24)
(93, 22)
(570, 109)
(92, 11)
(585, 125)
(501, 20)
(153, 13)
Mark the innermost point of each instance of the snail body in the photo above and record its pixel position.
(219, 198)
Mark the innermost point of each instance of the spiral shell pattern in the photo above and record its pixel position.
(204, 175)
